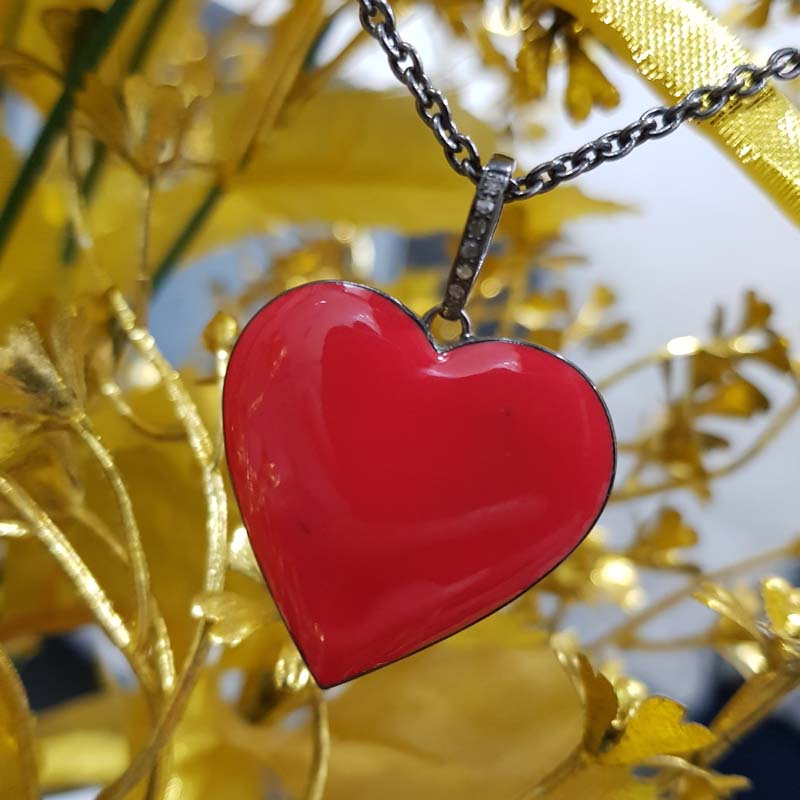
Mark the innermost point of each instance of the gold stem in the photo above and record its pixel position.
(318, 774)
(165, 664)
(15, 702)
(216, 525)
(85, 583)
(196, 434)
(622, 634)
(93, 523)
(573, 762)
(668, 645)
(784, 683)
(221, 358)
(777, 424)
(634, 366)
(143, 276)
(271, 90)
(110, 389)
(138, 562)
(216, 501)
(144, 761)
(185, 409)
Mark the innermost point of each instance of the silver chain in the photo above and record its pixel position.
(746, 80)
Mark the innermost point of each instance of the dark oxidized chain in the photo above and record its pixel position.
(746, 80)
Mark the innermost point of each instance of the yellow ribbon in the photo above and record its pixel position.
(678, 46)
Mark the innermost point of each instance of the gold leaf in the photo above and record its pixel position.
(156, 115)
(490, 55)
(551, 338)
(506, 631)
(726, 604)
(657, 544)
(526, 226)
(708, 368)
(103, 114)
(748, 703)
(178, 22)
(587, 85)
(21, 62)
(656, 727)
(533, 62)
(420, 290)
(291, 674)
(79, 757)
(757, 312)
(759, 14)
(603, 781)
(782, 604)
(351, 180)
(538, 309)
(601, 705)
(423, 722)
(610, 334)
(233, 616)
(707, 785)
(241, 557)
(571, 579)
(270, 88)
(616, 575)
(738, 398)
(68, 28)
(27, 371)
(776, 354)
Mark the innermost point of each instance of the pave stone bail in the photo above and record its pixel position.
(484, 214)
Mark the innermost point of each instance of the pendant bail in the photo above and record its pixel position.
(484, 214)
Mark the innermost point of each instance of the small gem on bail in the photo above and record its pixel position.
(456, 291)
(484, 206)
(464, 271)
(478, 226)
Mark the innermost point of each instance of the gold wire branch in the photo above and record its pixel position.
(199, 441)
(321, 753)
(82, 427)
(82, 578)
(15, 702)
(624, 635)
(110, 389)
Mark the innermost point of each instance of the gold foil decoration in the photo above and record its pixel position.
(677, 46)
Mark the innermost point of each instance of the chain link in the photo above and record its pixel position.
(746, 80)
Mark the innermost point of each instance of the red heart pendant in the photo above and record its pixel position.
(394, 492)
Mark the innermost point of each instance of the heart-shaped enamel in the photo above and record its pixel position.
(393, 492)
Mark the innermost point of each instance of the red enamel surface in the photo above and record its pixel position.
(394, 494)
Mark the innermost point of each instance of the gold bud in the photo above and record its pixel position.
(221, 332)
(291, 674)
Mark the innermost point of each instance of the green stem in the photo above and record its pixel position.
(85, 60)
(99, 151)
(192, 228)
(13, 21)
(200, 216)
(148, 35)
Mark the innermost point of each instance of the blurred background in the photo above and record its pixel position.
(666, 266)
